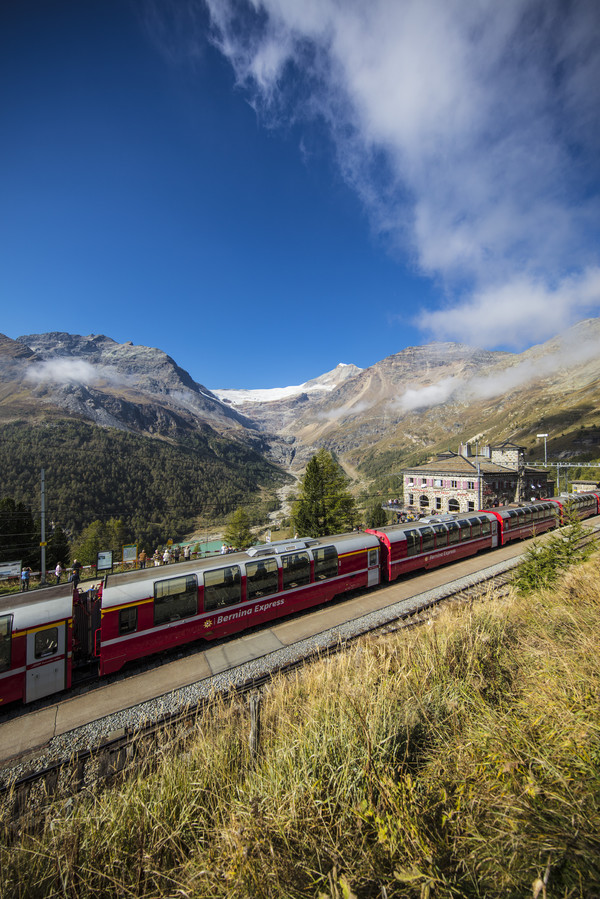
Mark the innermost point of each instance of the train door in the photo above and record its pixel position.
(86, 624)
(46, 665)
(373, 576)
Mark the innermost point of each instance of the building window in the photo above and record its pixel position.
(438, 502)
(437, 482)
(470, 485)
(454, 483)
(410, 499)
(423, 482)
(471, 507)
(411, 481)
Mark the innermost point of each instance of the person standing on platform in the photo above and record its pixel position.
(76, 572)
(25, 572)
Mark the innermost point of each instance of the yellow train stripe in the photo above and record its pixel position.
(44, 627)
(128, 605)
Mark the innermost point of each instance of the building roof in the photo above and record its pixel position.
(461, 465)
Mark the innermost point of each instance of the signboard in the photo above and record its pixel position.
(130, 552)
(10, 569)
(105, 561)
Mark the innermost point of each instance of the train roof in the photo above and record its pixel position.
(395, 532)
(134, 585)
(38, 607)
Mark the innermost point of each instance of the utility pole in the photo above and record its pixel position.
(545, 436)
(43, 531)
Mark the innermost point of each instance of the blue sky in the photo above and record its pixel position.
(266, 189)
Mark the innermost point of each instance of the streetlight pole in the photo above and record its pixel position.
(545, 436)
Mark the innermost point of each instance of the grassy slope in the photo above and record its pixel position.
(460, 759)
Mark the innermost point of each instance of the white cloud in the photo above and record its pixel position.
(571, 351)
(470, 130)
(73, 371)
(519, 312)
(432, 395)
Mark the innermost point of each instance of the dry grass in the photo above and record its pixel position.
(460, 759)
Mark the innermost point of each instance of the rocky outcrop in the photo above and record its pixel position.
(134, 388)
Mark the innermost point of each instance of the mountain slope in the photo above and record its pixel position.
(122, 431)
(425, 398)
(134, 388)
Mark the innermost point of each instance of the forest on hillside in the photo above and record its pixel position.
(157, 488)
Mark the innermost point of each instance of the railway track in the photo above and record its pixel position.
(25, 797)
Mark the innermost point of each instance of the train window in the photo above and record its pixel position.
(373, 557)
(5, 641)
(175, 598)
(465, 529)
(486, 525)
(441, 534)
(475, 527)
(413, 543)
(296, 570)
(222, 587)
(261, 578)
(326, 562)
(511, 521)
(428, 538)
(453, 532)
(45, 643)
(128, 620)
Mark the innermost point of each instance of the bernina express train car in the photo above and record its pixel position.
(146, 612)
(580, 505)
(442, 539)
(526, 521)
(35, 644)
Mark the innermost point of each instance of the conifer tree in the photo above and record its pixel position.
(238, 533)
(19, 536)
(58, 548)
(325, 505)
(377, 517)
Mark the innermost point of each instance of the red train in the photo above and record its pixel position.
(46, 635)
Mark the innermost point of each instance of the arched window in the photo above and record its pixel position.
(423, 501)
(453, 505)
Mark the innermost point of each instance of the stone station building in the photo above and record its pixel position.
(467, 480)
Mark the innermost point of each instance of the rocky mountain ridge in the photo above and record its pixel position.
(405, 405)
